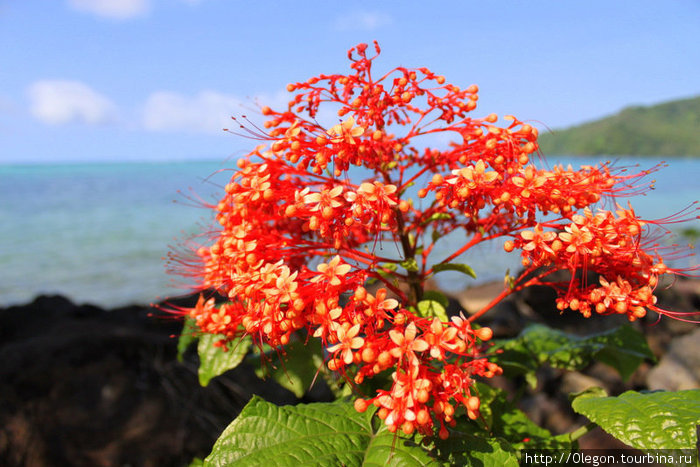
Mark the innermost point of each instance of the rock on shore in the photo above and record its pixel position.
(84, 386)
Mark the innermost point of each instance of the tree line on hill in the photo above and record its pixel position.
(666, 129)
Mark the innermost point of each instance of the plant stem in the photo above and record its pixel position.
(415, 291)
(414, 279)
(577, 433)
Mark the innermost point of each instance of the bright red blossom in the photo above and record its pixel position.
(297, 237)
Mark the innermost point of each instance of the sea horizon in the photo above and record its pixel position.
(217, 159)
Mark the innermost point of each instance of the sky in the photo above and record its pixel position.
(158, 80)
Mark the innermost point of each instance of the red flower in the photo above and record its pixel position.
(292, 204)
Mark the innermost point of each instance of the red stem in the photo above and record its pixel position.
(509, 290)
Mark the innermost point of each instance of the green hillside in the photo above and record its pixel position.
(668, 129)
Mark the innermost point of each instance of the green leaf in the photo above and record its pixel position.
(318, 434)
(187, 337)
(214, 361)
(298, 367)
(432, 309)
(622, 348)
(437, 216)
(301, 366)
(503, 419)
(594, 391)
(321, 434)
(412, 239)
(386, 269)
(463, 268)
(497, 436)
(509, 280)
(646, 420)
(436, 296)
(493, 439)
(465, 449)
(410, 265)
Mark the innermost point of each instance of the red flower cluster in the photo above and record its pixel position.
(609, 244)
(298, 235)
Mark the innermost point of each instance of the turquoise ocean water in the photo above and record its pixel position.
(97, 233)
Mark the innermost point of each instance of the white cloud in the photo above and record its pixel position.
(207, 112)
(116, 9)
(119, 9)
(59, 102)
(362, 20)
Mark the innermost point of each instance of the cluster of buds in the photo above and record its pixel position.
(299, 237)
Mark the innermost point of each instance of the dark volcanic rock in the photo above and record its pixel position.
(679, 368)
(82, 386)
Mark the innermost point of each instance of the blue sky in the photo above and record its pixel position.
(111, 80)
